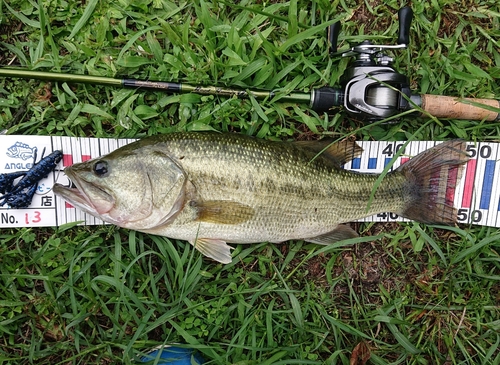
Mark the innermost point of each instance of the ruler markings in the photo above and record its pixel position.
(356, 166)
(95, 149)
(94, 152)
(68, 156)
(59, 203)
(112, 144)
(104, 146)
(77, 150)
(55, 175)
(478, 215)
(80, 215)
(377, 149)
(496, 182)
(495, 191)
(69, 213)
(371, 162)
(493, 206)
(476, 195)
(460, 191)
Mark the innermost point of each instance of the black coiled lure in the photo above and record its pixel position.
(21, 194)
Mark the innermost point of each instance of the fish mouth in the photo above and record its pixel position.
(85, 195)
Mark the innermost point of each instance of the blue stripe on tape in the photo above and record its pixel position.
(489, 174)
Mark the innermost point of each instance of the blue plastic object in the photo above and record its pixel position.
(174, 356)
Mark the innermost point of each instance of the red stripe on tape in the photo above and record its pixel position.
(67, 160)
(470, 173)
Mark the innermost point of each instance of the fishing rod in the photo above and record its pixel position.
(370, 90)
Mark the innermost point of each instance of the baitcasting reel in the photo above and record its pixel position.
(371, 89)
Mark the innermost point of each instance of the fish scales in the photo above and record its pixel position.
(211, 188)
(291, 193)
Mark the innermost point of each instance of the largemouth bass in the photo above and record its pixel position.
(212, 189)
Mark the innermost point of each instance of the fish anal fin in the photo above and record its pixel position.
(214, 248)
(223, 211)
(341, 232)
(337, 152)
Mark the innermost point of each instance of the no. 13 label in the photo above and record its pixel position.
(32, 217)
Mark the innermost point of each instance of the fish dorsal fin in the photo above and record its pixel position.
(223, 211)
(341, 232)
(214, 248)
(337, 152)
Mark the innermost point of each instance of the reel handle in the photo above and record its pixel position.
(366, 49)
(459, 108)
(405, 16)
(332, 34)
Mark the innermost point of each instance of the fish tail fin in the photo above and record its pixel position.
(432, 177)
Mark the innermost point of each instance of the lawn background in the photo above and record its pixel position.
(83, 295)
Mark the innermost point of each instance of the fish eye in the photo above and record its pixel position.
(101, 168)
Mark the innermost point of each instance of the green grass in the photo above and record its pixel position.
(411, 294)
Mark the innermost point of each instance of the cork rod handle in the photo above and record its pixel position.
(459, 108)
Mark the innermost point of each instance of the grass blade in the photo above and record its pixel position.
(87, 13)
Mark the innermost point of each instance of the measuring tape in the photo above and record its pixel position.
(476, 197)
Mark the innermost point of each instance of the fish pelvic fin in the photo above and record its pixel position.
(214, 248)
(431, 180)
(223, 212)
(340, 233)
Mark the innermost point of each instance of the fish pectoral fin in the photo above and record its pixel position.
(214, 248)
(338, 153)
(224, 212)
(341, 232)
